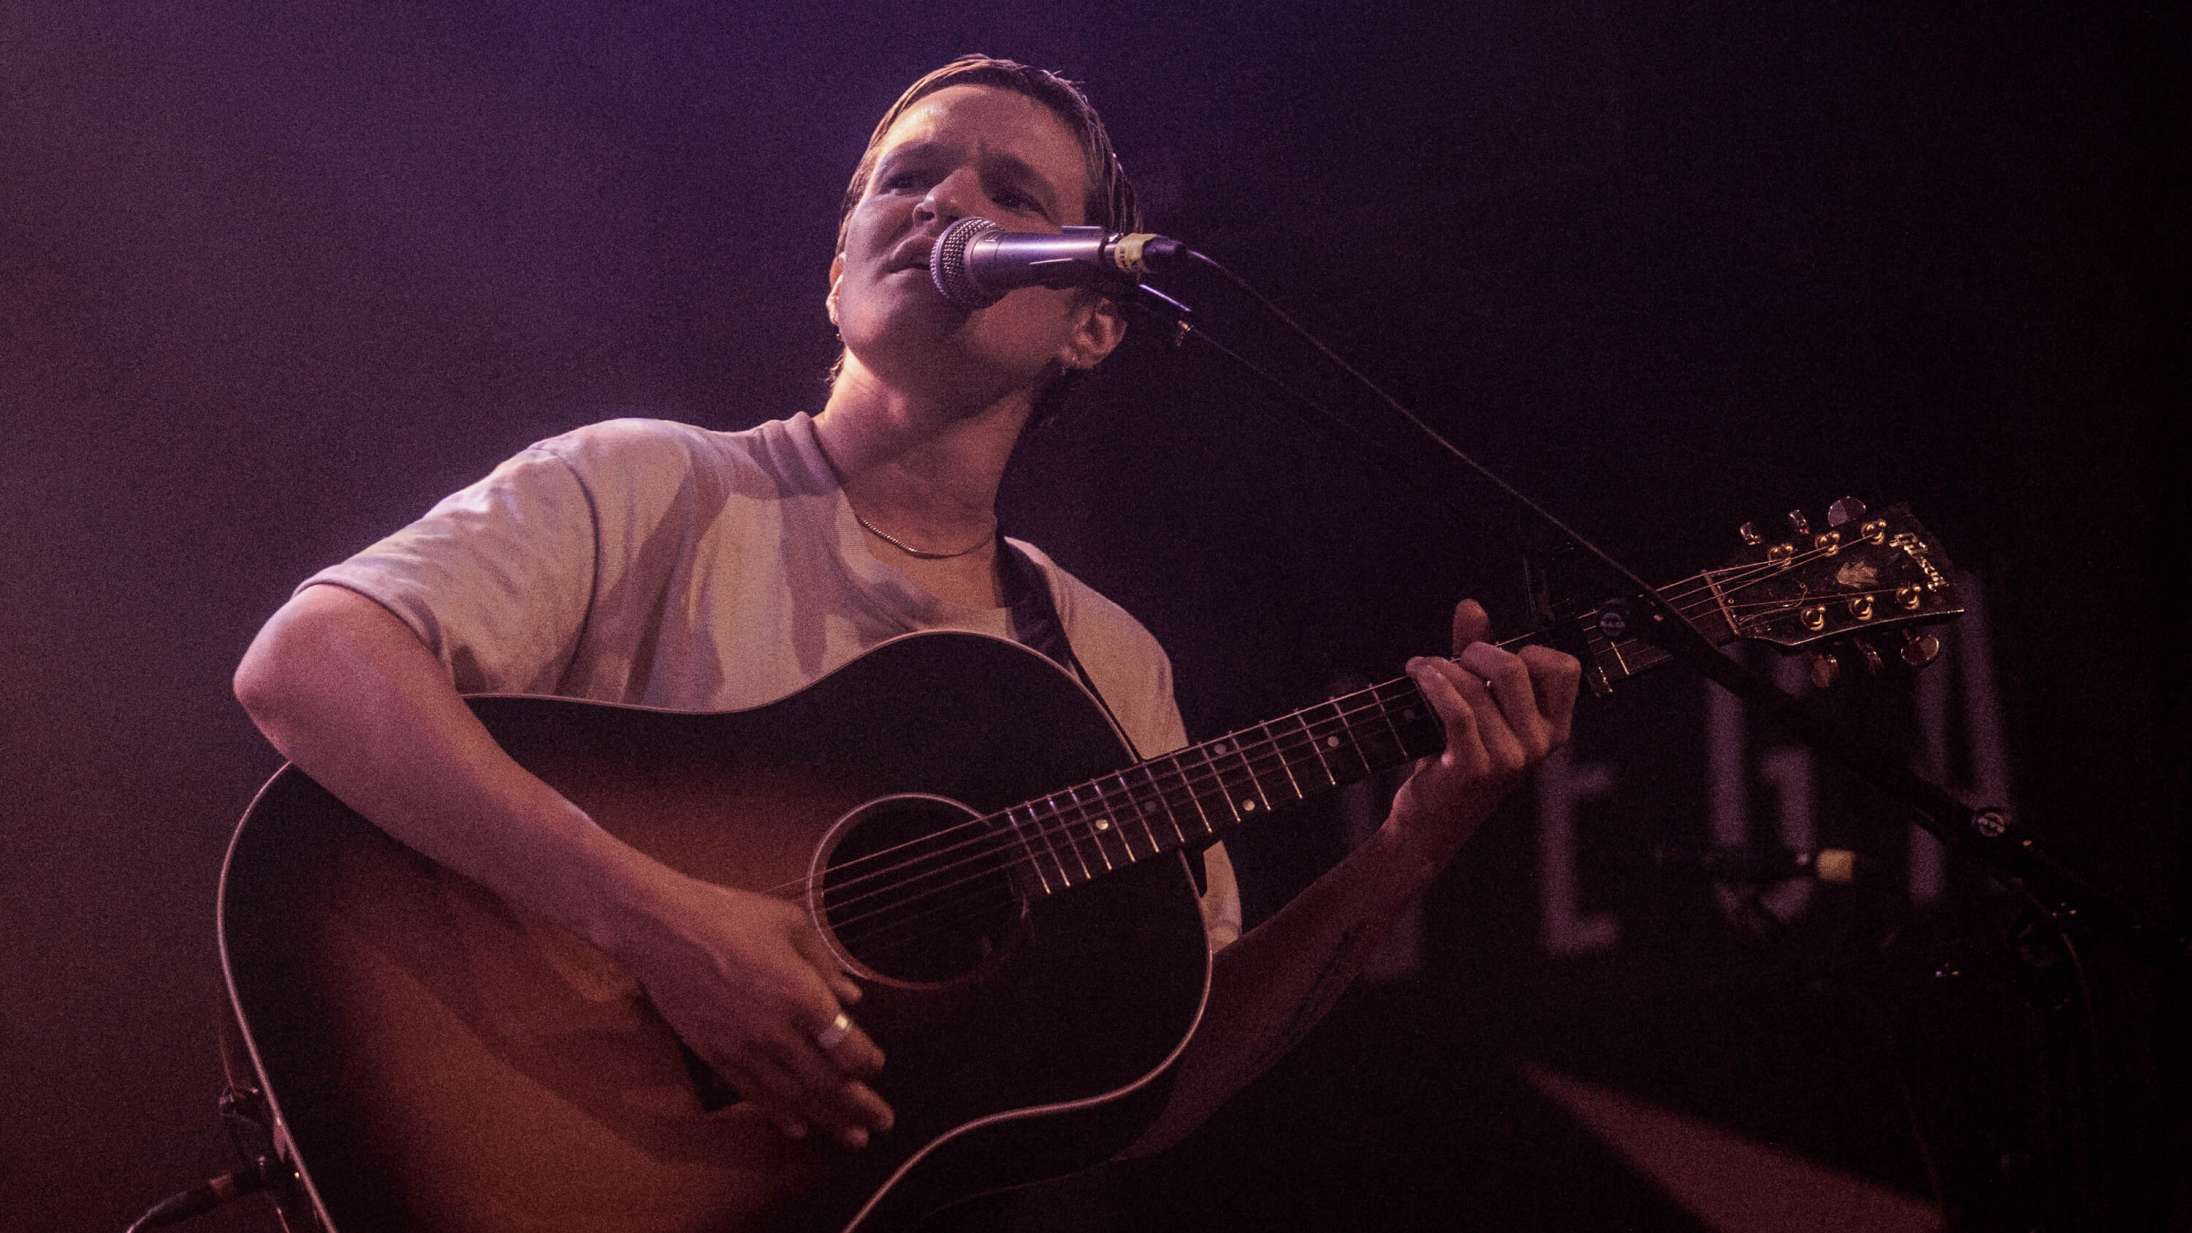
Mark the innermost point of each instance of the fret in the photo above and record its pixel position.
(1141, 813)
(1241, 754)
(1302, 717)
(1225, 790)
(1352, 742)
(1594, 638)
(1181, 771)
(1065, 875)
(1066, 829)
(1112, 822)
(1030, 850)
(1601, 662)
(1094, 827)
(1281, 752)
(1242, 803)
(1620, 660)
(1385, 714)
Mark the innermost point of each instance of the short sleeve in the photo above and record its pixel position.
(1221, 901)
(496, 579)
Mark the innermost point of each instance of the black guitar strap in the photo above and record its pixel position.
(1035, 622)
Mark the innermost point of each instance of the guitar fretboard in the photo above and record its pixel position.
(1186, 799)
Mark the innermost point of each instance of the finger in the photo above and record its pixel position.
(853, 1051)
(811, 947)
(1508, 679)
(1464, 740)
(831, 1099)
(1503, 750)
(818, 954)
(768, 1090)
(1470, 624)
(795, 1100)
(1559, 678)
(829, 1060)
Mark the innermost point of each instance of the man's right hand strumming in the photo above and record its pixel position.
(347, 692)
(755, 992)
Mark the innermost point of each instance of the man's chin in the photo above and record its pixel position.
(937, 369)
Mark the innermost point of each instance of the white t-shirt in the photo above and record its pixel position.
(658, 564)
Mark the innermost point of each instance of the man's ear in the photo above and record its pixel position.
(837, 278)
(1099, 331)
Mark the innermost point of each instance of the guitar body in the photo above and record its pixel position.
(440, 1060)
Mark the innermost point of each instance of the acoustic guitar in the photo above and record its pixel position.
(965, 828)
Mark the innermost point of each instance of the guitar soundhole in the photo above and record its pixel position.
(917, 889)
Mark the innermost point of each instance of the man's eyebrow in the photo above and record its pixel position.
(907, 149)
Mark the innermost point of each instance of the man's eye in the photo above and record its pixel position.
(1012, 199)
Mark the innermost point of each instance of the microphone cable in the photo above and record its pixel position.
(1959, 826)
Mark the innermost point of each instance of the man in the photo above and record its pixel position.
(652, 563)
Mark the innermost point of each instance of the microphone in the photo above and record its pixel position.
(1758, 865)
(975, 261)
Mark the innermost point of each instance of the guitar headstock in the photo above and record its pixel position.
(1871, 578)
(1860, 584)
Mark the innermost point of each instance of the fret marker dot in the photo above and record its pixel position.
(1218, 748)
(1332, 742)
(1409, 713)
(1248, 806)
(1103, 824)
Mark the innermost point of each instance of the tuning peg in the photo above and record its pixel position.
(1825, 670)
(1749, 533)
(1798, 523)
(1920, 648)
(1866, 651)
(1845, 511)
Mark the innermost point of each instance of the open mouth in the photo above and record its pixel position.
(911, 255)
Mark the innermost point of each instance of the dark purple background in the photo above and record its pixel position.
(275, 277)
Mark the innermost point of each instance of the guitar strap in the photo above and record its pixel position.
(1035, 622)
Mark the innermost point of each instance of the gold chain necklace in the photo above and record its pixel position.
(911, 551)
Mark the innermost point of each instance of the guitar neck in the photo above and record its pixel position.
(1861, 576)
(1186, 799)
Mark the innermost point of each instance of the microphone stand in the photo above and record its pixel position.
(2060, 898)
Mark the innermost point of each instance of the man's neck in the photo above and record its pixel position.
(925, 472)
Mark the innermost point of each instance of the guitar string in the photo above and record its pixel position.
(1070, 829)
(1005, 847)
(1706, 582)
(1066, 817)
(1068, 820)
(1008, 849)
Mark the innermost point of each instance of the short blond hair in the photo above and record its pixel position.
(1110, 202)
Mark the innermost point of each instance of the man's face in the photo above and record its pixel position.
(962, 152)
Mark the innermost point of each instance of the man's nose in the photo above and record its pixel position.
(951, 198)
